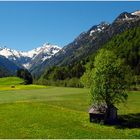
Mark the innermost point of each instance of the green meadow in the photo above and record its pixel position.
(15, 83)
(33, 111)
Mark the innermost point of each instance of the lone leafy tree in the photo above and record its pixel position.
(108, 82)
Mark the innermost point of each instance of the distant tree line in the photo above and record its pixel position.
(25, 75)
(64, 75)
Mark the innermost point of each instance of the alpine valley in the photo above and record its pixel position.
(51, 62)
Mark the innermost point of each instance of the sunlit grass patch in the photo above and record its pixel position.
(15, 83)
(20, 87)
(11, 81)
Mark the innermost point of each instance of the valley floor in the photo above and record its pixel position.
(56, 112)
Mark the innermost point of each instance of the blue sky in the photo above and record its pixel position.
(27, 25)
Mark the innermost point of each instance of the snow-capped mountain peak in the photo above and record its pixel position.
(98, 28)
(9, 52)
(24, 59)
(125, 16)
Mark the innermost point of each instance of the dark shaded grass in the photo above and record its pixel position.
(129, 121)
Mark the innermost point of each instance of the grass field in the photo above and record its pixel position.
(15, 83)
(56, 112)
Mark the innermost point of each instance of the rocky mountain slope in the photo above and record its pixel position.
(89, 42)
(7, 67)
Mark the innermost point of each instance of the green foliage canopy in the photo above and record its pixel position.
(108, 79)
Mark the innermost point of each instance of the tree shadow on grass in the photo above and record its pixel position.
(124, 121)
(128, 121)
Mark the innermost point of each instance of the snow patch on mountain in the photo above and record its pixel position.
(98, 28)
(137, 13)
(45, 58)
(26, 65)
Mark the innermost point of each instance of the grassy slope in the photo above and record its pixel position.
(57, 112)
(10, 81)
(7, 82)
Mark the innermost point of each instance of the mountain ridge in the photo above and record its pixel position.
(24, 58)
(84, 45)
(89, 42)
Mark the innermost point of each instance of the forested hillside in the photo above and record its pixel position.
(127, 47)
